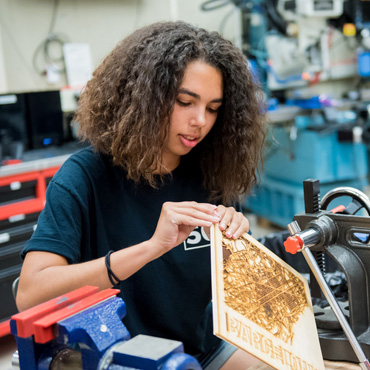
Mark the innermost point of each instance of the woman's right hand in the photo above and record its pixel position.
(47, 275)
(178, 220)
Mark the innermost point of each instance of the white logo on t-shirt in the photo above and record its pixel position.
(197, 239)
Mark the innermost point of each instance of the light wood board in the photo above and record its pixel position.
(329, 365)
(262, 305)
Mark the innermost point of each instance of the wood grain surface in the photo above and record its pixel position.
(262, 305)
(329, 365)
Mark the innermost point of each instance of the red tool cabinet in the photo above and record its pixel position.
(22, 197)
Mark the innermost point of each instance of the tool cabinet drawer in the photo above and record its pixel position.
(22, 198)
(16, 235)
(16, 191)
(8, 306)
(10, 255)
(18, 220)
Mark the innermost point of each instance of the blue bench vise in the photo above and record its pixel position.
(83, 330)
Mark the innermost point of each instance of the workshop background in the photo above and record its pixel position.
(312, 58)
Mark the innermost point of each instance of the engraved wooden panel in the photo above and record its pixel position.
(262, 305)
(329, 365)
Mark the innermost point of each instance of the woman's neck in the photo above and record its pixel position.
(167, 166)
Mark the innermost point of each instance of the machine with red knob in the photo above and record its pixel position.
(343, 236)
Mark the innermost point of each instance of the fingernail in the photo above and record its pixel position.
(223, 226)
(228, 234)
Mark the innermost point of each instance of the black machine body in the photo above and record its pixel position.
(342, 237)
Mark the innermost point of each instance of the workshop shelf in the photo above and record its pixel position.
(22, 198)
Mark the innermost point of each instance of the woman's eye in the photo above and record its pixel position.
(182, 103)
(212, 110)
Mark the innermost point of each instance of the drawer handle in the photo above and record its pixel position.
(15, 185)
(17, 218)
(5, 237)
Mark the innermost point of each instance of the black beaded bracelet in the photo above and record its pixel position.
(111, 274)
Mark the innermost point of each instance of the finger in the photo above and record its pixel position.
(179, 219)
(234, 224)
(221, 210)
(201, 212)
(226, 217)
(202, 207)
(243, 228)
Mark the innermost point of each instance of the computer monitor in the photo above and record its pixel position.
(13, 119)
(45, 118)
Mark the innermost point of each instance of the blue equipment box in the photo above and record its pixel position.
(279, 201)
(315, 155)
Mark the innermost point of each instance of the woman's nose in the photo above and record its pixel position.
(199, 118)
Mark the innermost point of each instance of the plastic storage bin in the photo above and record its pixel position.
(279, 201)
(314, 155)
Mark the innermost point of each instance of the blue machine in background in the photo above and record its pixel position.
(310, 147)
(302, 51)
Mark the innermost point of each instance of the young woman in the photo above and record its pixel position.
(176, 128)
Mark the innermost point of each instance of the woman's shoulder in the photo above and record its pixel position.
(85, 163)
(86, 156)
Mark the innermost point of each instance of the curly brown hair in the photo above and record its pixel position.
(124, 110)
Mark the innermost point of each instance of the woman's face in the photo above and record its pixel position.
(195, 111)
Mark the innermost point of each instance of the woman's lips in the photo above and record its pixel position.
(189, 141)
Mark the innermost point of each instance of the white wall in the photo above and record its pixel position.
(24, 25)
(3, 79)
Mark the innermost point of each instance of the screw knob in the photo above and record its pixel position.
(293, 244)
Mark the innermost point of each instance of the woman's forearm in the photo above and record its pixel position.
(47, 275)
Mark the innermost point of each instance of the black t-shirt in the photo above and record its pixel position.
(91, 208)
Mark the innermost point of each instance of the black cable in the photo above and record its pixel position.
(34, 59)
(276, 19)
(44, 48)
(53, 17)
(54, 39)
(214, 4)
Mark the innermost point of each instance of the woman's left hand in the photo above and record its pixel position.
(232, 222)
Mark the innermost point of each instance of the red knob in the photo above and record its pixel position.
(293, 244)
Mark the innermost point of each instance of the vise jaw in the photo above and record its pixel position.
(84, 330)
